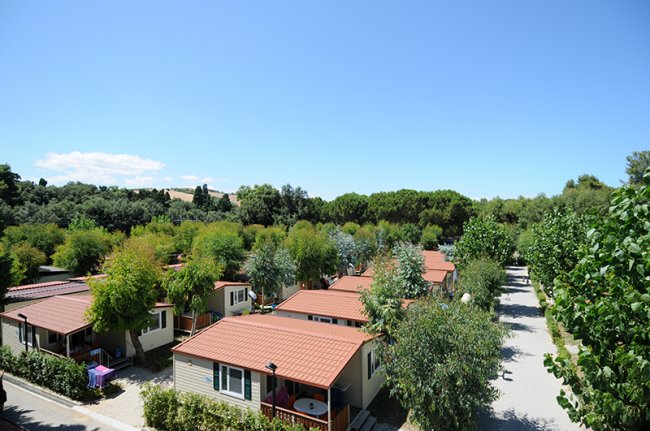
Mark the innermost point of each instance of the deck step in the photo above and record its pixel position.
(368, 424)
(120, 364)
(359, 420)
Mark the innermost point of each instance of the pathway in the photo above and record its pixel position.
(528, 391)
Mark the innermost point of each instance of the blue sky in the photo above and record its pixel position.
(490, 98)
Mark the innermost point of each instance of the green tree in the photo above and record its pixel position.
(382, 304)
(224, 204)
(190, 286)
(430, 237)
(221, 242)
(6, 264)
(312, 251)
(605, 302)
(482, 279)
(9, 185)
(484, 237)
(122, 301)
(83, 250)
(409, 232)
(269, 268)
(637, 163)
(27, 260)
(441, 363)
(410, 267)
(349, 207)
(45, 237)
(554, 246)
(447, 209)
(258, 204)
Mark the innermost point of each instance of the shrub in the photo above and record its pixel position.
(173, 411)
(62, 375)
(482, 278)
(484, 238)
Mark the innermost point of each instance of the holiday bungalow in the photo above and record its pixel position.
(327, 306)
(58, 325)
(351, 284)
(318, 370)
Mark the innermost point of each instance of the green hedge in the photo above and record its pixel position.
(62, 375)
(166, 409)
(481, 278)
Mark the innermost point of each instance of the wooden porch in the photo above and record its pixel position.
(184, 323)
(340, 419)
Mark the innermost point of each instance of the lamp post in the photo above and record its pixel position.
(22, 316)
(271, 366)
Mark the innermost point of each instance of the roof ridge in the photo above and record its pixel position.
(243, 321)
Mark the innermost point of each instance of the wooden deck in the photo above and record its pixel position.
(340, 422)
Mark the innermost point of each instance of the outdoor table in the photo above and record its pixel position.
(310, 406)
(100, 376)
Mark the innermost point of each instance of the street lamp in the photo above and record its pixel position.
(271, 366)
(22, 316)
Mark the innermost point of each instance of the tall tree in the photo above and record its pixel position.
(637, 163)
(221, 242)
(313, 252)
(484, 237)
(84, 250)
(269, 268)
(9, 185)
(258, 204)
(410, 267)
(190, 286)
(122, 301)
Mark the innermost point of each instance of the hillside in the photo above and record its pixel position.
(186, 194)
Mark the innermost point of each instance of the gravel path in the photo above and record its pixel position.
(528, 391)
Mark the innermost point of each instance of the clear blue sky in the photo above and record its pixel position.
(488, 98)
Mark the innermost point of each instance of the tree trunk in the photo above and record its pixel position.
(139, 351)
(193, 323)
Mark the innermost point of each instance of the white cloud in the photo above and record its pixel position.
(168, 179)
(100, 168)
(190, 178)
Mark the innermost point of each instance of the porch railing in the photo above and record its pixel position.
(340, 421)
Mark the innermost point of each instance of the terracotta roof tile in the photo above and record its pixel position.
(61, 314)
(221, 284)
(327, 303)
(439, 266)
(351, 284)
(434, 276)
(37, 285)
(308, 352)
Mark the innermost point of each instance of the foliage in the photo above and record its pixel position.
(587, 195)
(409, 232)
(163, 245)
(448, 209)
(604, 302)
(430, 236)
(258, 204)
(484, 237)
(83, 250)
(270, 268)
(482, 279)
(9, 185)
(62, 375)
(123, 299)
(221, 242)
(312, 251)
(27, 260)
(6, 264)
(637, 163)
(365, 244)
(44, 237)
(382, 304)
(349, 207)
(190, 286)
(553, 249)
(273, 234)
(410, 267)
(346, 249)
(167, 409)
(441, 363)
(449, 250)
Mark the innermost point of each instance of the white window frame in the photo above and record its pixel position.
(30, 333)
(225, 371)
(322, 319)
(375, 363)
(235, 294)
(154, 329)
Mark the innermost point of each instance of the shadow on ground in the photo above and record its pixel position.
(518, 310)
(511, 421)
(511, 354)
(518, 327)
(15, 415)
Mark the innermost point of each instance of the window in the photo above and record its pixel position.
(232, 381)
(373, 363)
(238, 296)
(31, 334)
(269, 383)
(323, 319)
(52, 337)
(158, 321)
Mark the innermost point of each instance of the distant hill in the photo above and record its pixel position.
(186, 194)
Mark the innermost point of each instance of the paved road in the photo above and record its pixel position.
(527, 402)
(36, 413)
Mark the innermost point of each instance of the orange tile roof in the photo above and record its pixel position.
(37, 285)
(351, 283)
(307, 352)
(440, 266)
(221, 284)
(327, 303)
(434, 255)
(62, 314)
(435, 276)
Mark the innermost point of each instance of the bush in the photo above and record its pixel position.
(484, 238)
(62, 375)
(173, 411)
(482, 278)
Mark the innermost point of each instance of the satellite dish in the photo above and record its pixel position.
(252, 295)
(466, 298)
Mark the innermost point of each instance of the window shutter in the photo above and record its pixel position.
(163, 316)
(247, 384)
(232, 298)
(215, 376)
(20, 333)
(335, 321)
(310, 317)
(369, 365)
